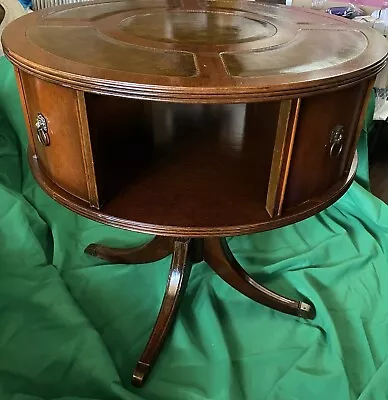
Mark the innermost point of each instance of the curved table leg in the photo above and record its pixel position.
(159, 247)
(176, 285)
(220, 258)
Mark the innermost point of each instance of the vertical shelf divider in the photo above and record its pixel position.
(87, 151)
(284, 141)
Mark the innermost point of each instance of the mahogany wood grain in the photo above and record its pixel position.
(158, 248)
(313, 170)
(87, 152)
(176, 285)
(116, 219)
(187, 251)
(24, 104)
(282, 151)
(198, 51)
(62, 160)
(364, 94)
(220, 258)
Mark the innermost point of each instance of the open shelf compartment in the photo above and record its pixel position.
(182, 164)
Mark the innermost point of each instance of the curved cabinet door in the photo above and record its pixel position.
(55, 129)
(326, 135)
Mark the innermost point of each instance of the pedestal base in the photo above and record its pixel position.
(186, 252)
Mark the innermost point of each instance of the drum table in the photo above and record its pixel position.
(193, 120)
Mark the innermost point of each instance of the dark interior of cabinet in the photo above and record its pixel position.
(198, 161)
(121, 139)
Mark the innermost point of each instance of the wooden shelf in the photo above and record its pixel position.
(233, 206)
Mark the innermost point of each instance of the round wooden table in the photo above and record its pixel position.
(193, 120)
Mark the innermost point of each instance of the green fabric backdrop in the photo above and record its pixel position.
(72, 327)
